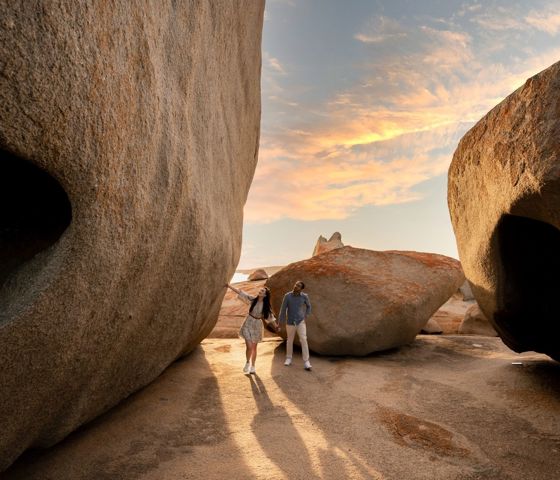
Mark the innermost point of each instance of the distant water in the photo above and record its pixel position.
(239, 277)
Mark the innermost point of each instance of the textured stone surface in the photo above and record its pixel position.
(432, 328)
(451, 314)
(133, 128)
(504, 200)
(475, 323)
(442, 408)
(258, 274)
(365, 301)
(465, 291)
(323, 245)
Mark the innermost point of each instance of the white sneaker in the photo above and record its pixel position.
(307, 365)
(288, 361)
(252, 370)
(247, 367)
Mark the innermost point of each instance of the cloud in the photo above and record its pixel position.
(499, 20)
(273, 64)
(512, 17)
(381, 29)
(306, 182)
(547, 21)
(397, 126)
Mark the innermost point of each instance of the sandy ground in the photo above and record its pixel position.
(445, 407)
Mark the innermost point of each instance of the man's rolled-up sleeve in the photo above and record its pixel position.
(307, 306)
(283, 309)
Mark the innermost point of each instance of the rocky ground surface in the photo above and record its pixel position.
(445, 407)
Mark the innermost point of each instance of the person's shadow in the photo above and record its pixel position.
(277, 435)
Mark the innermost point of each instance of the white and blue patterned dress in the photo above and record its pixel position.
(252, 328)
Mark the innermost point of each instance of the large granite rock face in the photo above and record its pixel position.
(128, 140)
(504, 200)
(365, 301)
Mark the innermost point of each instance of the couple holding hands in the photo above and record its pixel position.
(294, 310)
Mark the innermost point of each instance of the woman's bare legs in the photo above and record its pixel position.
(248, 350)
(254, 353)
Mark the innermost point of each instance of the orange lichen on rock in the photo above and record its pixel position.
(365, 301)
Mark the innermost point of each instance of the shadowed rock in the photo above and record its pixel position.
(465, 291)
(365, 301)
(504, 200)
(432, 328)
(128, 140)
(475, 323)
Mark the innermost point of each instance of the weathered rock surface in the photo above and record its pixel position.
(466, 291)
(442, 408)
(323, 245)
(128, 141)
(451, 314)
(431, 328)
(258, 274)
(504, 200)
(365, 301)
(475, 323)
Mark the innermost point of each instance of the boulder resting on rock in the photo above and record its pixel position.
(365, 301)
(504, 201)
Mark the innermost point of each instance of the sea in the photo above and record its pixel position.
(239, 277)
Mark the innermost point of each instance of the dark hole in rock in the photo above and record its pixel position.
(528, 309)
(34, 212)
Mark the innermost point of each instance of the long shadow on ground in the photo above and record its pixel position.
(441, 408)
(158, 429)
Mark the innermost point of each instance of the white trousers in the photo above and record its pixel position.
(301, 330)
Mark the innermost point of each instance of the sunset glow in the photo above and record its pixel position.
(364, 104)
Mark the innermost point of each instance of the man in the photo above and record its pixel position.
(297, 304)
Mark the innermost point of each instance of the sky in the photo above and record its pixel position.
(363, 105)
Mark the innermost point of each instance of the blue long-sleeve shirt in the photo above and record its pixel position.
(297, 306)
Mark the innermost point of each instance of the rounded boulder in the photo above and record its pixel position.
(365, 301)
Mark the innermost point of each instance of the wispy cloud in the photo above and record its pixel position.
(499, 20)
(374, 142)
(381, 29)
(320, 183)
(548, 20)
(514, 17)
(273, 64)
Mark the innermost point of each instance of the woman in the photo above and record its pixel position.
(252, 328)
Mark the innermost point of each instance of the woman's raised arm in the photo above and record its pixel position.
(233, 288)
